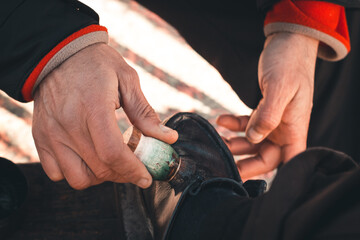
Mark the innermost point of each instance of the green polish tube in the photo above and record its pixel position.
(160, 159)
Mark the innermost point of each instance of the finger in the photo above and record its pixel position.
(111, 150)
(84, 147)
(267, 116)
(291, 150)
(75, 171)
(268, 158)
(232, 122)
(240, 146)
(49, 164)
(141, 114)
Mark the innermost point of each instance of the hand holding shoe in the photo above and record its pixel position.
(281, 120)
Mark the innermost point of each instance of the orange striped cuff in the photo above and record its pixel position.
(69, 46)
(320, 20)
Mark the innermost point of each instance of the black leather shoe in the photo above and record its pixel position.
(203, 155)
(215, 209)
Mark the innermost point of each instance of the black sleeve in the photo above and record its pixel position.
(264, 5)
(29, 29)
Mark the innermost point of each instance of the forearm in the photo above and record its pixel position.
(37, 36)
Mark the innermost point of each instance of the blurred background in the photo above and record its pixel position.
(174, 78)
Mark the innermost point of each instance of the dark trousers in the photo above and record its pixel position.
(315, 196)
(229, 35)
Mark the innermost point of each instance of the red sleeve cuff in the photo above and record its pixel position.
(321, 20)
(66, 48)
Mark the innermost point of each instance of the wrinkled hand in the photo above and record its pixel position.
(277, 128)
(74, 125)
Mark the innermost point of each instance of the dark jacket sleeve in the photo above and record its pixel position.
(264, 5)
(29, 29)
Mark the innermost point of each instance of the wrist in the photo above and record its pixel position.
(323, 21)
(290, 57)
(298, 40)
(60, 53)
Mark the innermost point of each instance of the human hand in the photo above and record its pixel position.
(259, 158)
(74, 124)
(286, 79)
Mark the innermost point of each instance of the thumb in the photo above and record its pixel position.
(143, 117)
(265, 118)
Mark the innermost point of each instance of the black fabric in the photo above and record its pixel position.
(210, 210)
(255, 188)
(29, 29)
(228, 35)
(231, 39)
(264, 5)
(13, 193)
(315, 196)
(336, 112)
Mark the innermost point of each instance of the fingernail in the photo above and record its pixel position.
(172, 135)
(143, 183)
(254, 135)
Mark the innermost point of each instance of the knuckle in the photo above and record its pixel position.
(96, 116)
(144, 111)
(130, 85)
(130, 75)
(270, 165)
(148, 111)
(272, 162)
(80, 183)
(268, 122)
(104, 174)
(129, 173)
(55, 176)
(110, 155)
